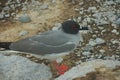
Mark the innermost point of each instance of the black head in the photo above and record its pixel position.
(70, 27)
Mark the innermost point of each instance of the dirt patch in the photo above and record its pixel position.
(58, 12)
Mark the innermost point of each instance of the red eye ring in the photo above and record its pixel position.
(74, 27)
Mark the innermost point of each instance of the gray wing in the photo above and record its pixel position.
(43, 44)
(51, 38)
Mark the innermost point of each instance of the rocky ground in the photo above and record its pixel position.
(24, 18)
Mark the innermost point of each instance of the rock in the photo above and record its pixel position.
(98, 1)
(59, 60)
(84, 68)
(22, 33)
(93, 8)
(79, 19)
(7, 15)
(99, 41)
(102, 51)
(6, 8)
(1, 16)
(88, 48)
(15, 67)
(57, 26)
(100, 22)
(118, 21)
(2, 76)
(117, 1)
(109, 2)
(86, 53)
(115, 31)
(95, 42)
(115, 41)
(24, 18)
(53, 1)
(92, 42)
(44, 6)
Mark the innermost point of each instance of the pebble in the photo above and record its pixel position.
(6, 8)
(109, 3)
(44, 6)
(115, 31)
(1, 16)
(101, 28)
(92, 42)
(100, 22)
(88, 48)
(24, 18)
(115, 41)
(117, 1)
(56, 26)
(22, 33)
(7, 15)
(94, 36)
(79, 19)
(86, 53)
(99, 41)
(98, 0)
(118, 21)
(59, 60)
(53, 1)
(81, 3)
(93, 8)
(102, 51)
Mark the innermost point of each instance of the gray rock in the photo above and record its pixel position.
(115, 31)
(1, 16)
(44, 6)
(92, 42)
(93, 8)
(22, 33)
(99, 41)
(88, 48)
(98, 0)
(6, 8)
(24, 18)
(86, 53)
(7, 15)
(102, 51)
(100, 22)
(2, 76)
(53, 1)
(109, 2)
(117, 1)
(118, 21)
(56, 26)
(19, 68)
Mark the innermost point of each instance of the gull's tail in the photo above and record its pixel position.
(4, 45)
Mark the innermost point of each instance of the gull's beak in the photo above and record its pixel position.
(83, 30)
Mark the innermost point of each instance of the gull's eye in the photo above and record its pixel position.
(74, 27)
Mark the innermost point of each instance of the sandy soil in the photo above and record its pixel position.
(55, 13)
